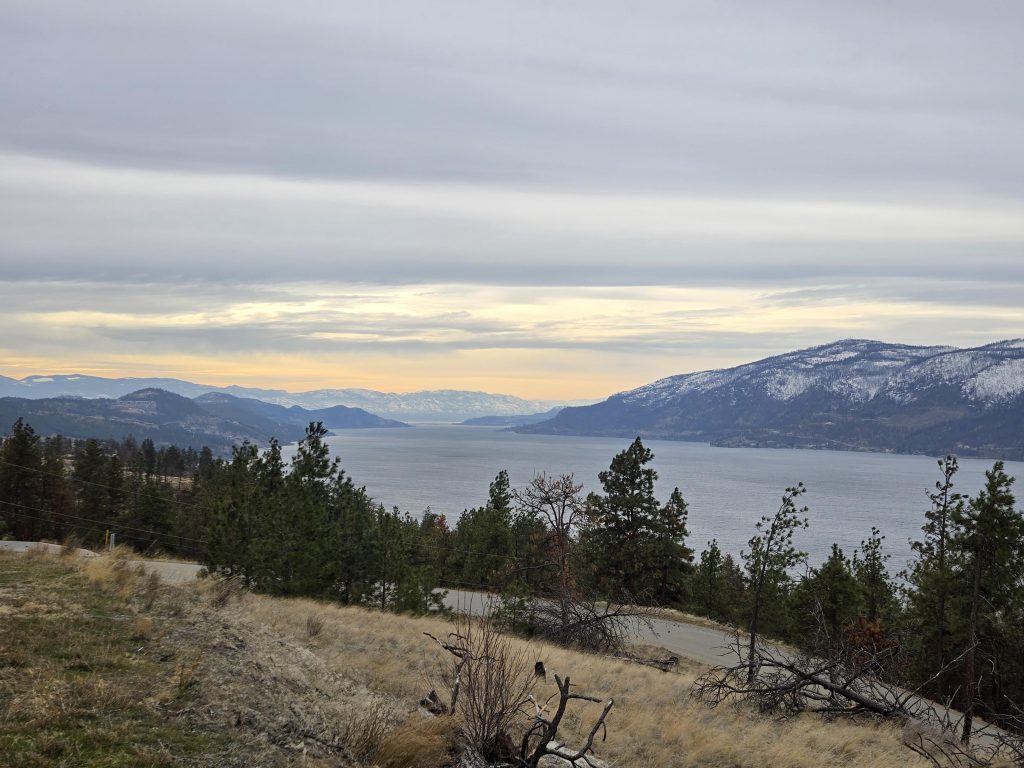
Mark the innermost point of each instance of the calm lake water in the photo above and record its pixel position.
(449, 467)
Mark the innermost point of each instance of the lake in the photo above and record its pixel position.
(449, 467)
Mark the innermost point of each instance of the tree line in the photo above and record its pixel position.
(303, 527)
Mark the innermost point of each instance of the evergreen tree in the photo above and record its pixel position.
(670, 556)
(147, 517)
(768, 560)
(91, 476)
(869, 567)
(990, 543)
(349, 556)
(623, 524)
(57, 496)
(482, 540)
(21, 483)
(300, 523)
(232, 498)
(148, 463)
(718, 588)
(828, 600)
(406, 582)
(933, 580)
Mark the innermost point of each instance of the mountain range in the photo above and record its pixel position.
(851, 395)
(216, 419)
(444, 405)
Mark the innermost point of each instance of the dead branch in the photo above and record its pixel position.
(461, 652)
(546, 730)
(847, 680)
(589, 624)
(665, 665)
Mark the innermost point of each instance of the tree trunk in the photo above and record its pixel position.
(751, 666)
(970, 677)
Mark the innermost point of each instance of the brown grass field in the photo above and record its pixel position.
(102, 665)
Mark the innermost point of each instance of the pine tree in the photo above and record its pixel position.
(672, 559)
(483, 540)
(57, 496)
(718, 588)
(90, 474)
(623, 523)
(933, 578)
(21, 483)
(990, 542)
(869, 567)
(829, 599)
(770, 556)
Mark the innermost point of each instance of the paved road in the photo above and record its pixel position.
(697, 643)
(53, 549)
(170, 571)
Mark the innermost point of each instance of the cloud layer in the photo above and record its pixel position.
(553, 199)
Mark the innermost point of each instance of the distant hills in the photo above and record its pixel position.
(852, 394)
(443, 405)
(216, 419)
(512, 421)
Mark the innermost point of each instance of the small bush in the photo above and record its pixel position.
(366, 728)
(491, 680)
(142, 629)
(225, 590)
(314, 625)
(419, 743)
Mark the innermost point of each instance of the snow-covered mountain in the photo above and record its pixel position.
(852, 394)
(437, 405)
(442, 405)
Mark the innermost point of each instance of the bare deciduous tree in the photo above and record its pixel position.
(568, 617)
(557, 501)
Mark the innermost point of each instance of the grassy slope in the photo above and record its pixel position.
(78, 685)
(654, 724)
(123, 671)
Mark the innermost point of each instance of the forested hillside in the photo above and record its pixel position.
(217, 420)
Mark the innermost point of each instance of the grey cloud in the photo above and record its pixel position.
(911, 104)
(725, 96)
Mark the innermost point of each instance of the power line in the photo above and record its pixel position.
(105, 486)
(104, 523)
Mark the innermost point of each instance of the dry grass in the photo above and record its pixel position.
(314, 625)
(419, 743)
(256, 665)
(654, 724)
(75, 680)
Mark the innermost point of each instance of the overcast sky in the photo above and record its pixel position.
(551, 199)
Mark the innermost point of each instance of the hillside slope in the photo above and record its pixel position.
(204, 675)
(852, 394)
(217, 420)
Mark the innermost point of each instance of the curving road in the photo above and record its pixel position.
(692, 641)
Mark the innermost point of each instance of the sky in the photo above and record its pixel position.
(555, 200)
